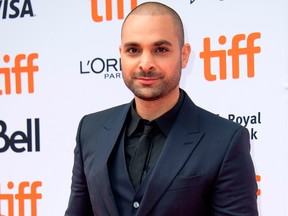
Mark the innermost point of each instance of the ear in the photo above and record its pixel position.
(120, 49)
(186, 50)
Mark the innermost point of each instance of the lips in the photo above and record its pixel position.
(147, 80)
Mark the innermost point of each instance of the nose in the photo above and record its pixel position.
(146, 62)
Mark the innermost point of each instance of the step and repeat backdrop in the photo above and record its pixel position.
(59, 60)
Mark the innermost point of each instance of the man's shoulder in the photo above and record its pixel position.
(209, 119)
(206, 119)
(109, 111)
(110, 114)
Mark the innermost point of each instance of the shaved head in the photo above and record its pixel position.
(158, 9)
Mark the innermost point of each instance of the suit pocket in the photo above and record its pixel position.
(183, 182)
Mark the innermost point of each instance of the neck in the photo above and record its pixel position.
(151, 110)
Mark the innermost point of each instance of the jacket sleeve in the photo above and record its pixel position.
(79, 202)
(236, 187)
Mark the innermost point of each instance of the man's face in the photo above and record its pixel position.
(151, 58)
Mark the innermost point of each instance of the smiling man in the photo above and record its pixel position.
(160, 154)
(152, 57)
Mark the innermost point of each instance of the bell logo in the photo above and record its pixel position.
(18, 69)
(26, 192)
(20, 141)
(108, 5)
(234, 52)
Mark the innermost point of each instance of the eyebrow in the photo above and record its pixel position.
(163, 42)
(157, 43)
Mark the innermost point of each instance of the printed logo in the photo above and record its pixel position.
(19, 141)
(11, 9)
(108, 68)
(96, 15)
(24, 199)
(248, 121)
(22, 65)
(234, 52)
(258, 179)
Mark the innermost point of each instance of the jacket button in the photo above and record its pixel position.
(136, 205)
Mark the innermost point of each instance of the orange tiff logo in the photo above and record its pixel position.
(235, 52)
(22, 65)
(108, 6)
(26, 192)
(258, 179)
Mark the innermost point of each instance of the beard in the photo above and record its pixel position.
(154, 91)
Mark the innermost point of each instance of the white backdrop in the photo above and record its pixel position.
(58, 62)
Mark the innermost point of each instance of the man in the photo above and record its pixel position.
(197, 164)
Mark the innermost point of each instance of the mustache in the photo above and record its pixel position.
(148, 74)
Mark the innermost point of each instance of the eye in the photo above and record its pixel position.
(132, 51)
(161, 50)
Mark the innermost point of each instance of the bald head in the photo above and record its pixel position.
(158, 9)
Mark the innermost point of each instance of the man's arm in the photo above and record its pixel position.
(79, 202)
(236, 187)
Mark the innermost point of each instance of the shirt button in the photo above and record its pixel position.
(136, 205)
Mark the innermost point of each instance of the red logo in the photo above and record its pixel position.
(26, 193)
(22, 65)
(258, 179)
(234, 52)
(108, 9)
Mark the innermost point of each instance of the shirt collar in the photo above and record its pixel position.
(164, 122)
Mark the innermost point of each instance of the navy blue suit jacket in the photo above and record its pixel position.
(205, 167)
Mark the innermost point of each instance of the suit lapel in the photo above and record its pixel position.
(182, 140)
(108, 136)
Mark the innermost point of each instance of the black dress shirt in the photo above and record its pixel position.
(163, 124)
